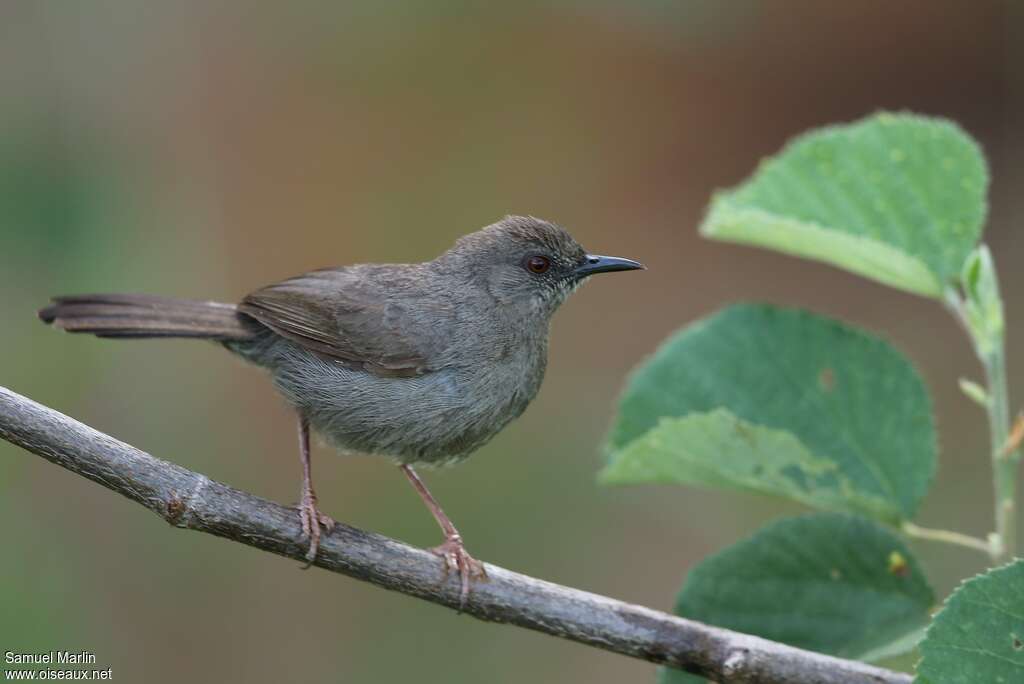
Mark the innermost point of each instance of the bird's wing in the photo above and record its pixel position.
(349, 316)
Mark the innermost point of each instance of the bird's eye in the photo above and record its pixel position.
(538, 264)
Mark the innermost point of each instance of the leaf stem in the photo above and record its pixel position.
(946, 537)
(990, 347)
(1004, 464)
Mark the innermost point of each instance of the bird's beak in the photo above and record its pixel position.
(605, 264)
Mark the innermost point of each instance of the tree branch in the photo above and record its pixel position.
(191, 500)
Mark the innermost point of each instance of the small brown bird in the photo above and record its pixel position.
(423, 363)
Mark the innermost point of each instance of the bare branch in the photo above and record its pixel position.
(191, 500)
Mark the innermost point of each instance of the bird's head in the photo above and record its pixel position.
(528, 263)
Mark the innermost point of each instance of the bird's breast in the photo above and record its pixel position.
(481, 401)
(437, 417)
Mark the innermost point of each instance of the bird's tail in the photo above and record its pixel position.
(135, 316)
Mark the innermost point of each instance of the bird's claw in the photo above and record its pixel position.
(455, 557)
(312, 520)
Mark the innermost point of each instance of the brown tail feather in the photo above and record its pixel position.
(131, 315)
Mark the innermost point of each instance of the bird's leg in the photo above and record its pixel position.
(310, 516)
(453, 551)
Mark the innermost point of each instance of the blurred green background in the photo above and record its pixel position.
(205, 149)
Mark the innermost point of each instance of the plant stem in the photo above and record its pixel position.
(991, 351)
(1004, 465)
(946, 537)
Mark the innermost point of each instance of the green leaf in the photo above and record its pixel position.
(844, 397)
(978, 636)
(718, 449)
(897, 198)
(827, 582)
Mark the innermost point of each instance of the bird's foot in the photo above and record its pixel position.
(455, 557)
(312, 520)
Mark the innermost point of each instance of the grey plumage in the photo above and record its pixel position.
(423, 363)
(135, 315)
(420, 362)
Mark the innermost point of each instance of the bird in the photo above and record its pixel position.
(422, 363)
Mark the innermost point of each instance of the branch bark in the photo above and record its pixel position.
(190, 500)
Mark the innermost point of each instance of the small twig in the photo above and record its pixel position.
(190, 500)
(1003, 441)
(946, 537)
